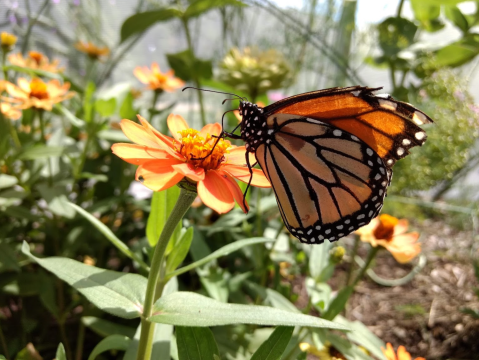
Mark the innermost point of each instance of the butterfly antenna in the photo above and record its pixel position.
(213, 91)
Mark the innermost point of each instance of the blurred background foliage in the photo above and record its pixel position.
(253, 48)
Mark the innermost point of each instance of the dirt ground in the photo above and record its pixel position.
(424, 315)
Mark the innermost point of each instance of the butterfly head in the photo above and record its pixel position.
(253, 125)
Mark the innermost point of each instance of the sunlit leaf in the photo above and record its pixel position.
(338, 303)
(198, 7)
(162, 203)
(117, 293)
(112, 342)
(106, 328)
(191, 309)
(180, 250)
(276, 344)
(396, 34)
(7, 181)
(459, 52)
(105, 107)
(143, 21)
(187, 67)
(195, 343)
(457, 17)
(61, 355)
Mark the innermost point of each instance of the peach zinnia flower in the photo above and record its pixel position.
(93, 51)
(38, 94)
(401, 355)
(35, 60)
(156, 80)
(7, 106)
(390, 233)
(164, 161)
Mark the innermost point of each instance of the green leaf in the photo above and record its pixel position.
(70, 116)
(273, 348)
(7, 181)
(457, 17)
(198, 7)
(187, 67)
(319, 260)
(114, 292)
(180, 250)
(105, 107)
(196, 343)
(114, 135)
(127, 111)
(106, 328)
(21, 212)
(8, 259)
(112, 342)
(459, 52)
(120, 245)
(140, 22)
(60, 355)
(40, 152)
(339, 303)
(472, 312)
(427, 15)
(191, 309)
(162, 203)
(396, 34)
(438, 2)
(225, 250)
(319, 293)
(88, 101)
(57, 200)
(349, 350)
(272, 297)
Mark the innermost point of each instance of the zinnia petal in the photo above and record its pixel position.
(189, 171)
(138, 154)
(403, 354)
(215, 193)
(237, 156)
(138, 134)
(165, 141)
(212, 129)
(237, 193)
(243, 174)
(389, 352)
(176, 123)
(158, 175)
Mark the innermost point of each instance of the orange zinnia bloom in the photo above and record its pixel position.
(390, 233)
(156, 80)
(8, 109)
(35, 60)
(37, 94)
(93, 51)
(164, 161)
(401, 355)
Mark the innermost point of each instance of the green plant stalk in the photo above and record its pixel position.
(196, 80)
(353, 255)
(184, 202)
(398, 14)
(80, 342)
(44, 141)
(151, 111)
(371, 255)
(4, 59)
(32, 23)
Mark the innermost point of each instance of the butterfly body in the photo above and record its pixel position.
(328, 155)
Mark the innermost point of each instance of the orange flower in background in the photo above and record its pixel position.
(38, 94)
(35, 60)
(390, 233)
(93, 51)
(156, 80)
(8, 108)
(7, 41)
(402, 354)
(164, 161)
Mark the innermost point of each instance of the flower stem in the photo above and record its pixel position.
(371, 255)
(44, 140)
(4, 57)
(184, 202)
(4, 344)
(353, 255)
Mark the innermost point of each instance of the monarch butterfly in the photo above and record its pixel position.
(328, 155)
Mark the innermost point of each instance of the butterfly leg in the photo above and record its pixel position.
(250, 168)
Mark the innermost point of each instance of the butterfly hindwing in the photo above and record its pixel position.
(327, 181)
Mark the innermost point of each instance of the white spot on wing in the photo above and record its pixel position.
(406, 142)
(369, 151)
(386, 104)
(337, 132)
(420, 135)
(400, 151)
(419, 118)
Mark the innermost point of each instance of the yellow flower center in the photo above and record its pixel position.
(199, 151)
(385, 229)
(36, 56)
(38, 89)
(162, 79)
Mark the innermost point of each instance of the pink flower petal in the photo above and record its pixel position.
(215, 193)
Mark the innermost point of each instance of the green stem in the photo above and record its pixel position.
(355, 251)
(4, 344)
(371, 255)
(184, 202)
(83, 157)
(152, 110)
(398, 14)
(32, 23)
(196, 79)
(4, 58)
(392, 74)
(80, 341)
(42, 131)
